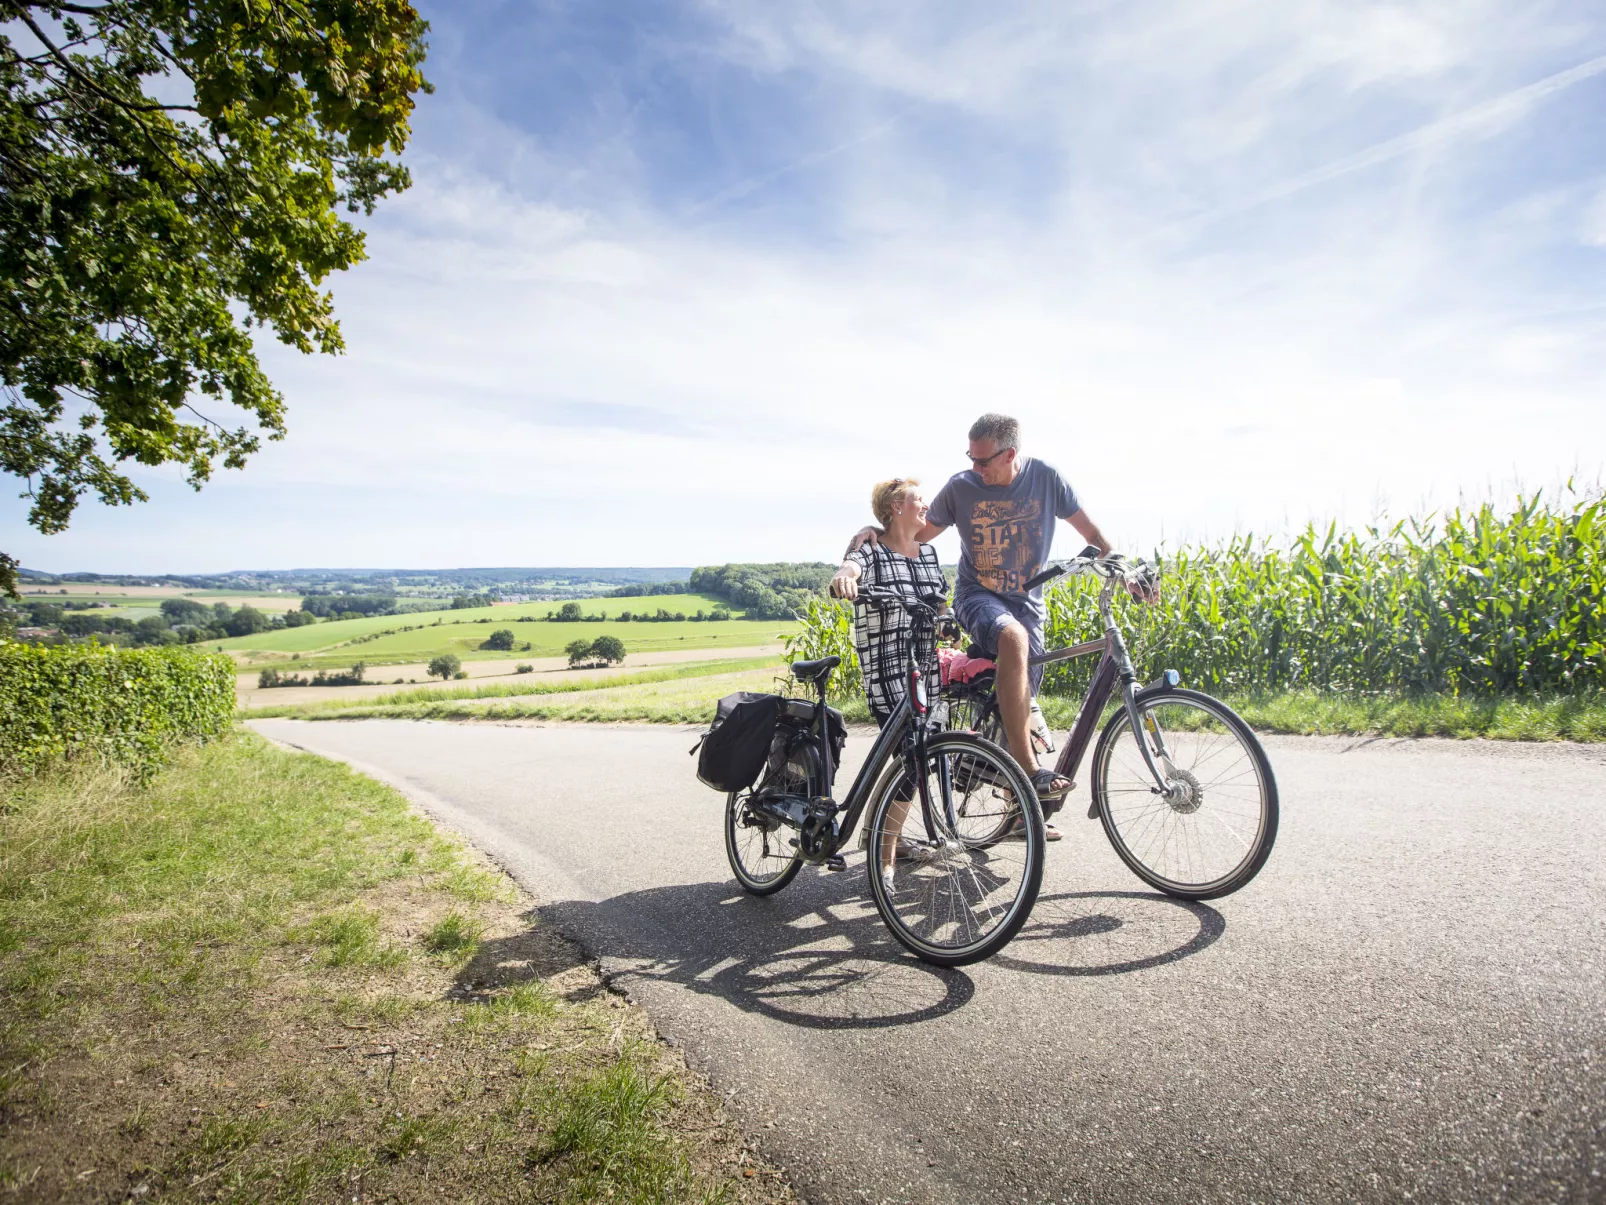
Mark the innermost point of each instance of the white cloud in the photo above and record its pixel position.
(544, 372)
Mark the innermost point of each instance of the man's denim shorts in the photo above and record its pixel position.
(983, 614)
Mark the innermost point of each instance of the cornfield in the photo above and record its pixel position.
(1474, 602)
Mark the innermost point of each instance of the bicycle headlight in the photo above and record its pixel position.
(917, 691)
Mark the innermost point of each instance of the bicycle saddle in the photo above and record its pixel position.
(813, 671)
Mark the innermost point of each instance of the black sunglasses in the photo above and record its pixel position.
(983, 461)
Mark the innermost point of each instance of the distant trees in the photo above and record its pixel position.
(185, 610)
(177, 621)
(247, 621)
(326, 606)
(662, 615)
(445, 666)
(272, 677)
(569, 612)
(500, 641)
(639, 589)
(773, 591)
(604, 650)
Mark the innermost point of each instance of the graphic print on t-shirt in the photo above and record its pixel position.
(1001, 542)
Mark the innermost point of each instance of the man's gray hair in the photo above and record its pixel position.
(1000, 428)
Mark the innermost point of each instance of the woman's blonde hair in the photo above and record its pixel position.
(888, 494)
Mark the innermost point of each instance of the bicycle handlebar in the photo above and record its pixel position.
(1089, 561)
(886, 598)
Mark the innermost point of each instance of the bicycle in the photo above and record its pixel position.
(947, 899)
(1191, 805)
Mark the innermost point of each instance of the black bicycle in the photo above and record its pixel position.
(1183, 787)
(946, 897)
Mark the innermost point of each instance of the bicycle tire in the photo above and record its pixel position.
(933, 892)
(758, 879)
(978, 714)
(1146, 832)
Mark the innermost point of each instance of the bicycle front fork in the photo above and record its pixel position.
(1147, 734)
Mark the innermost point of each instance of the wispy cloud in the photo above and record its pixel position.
(677, 283)
(1492, 117)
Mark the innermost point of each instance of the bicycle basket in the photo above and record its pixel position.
(737, 743)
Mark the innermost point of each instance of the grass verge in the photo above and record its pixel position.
(1318, 713)
(263, 977)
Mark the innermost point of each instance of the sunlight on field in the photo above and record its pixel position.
(383, 640)
(686, 701)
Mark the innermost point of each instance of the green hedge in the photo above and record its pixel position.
(124, 705)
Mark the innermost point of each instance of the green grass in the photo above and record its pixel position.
(683, 701)
(517, 689)
(1557, 718)
(605, 1133)
(263, 977)
(1318, 713)
(411, 645)
(453, 938)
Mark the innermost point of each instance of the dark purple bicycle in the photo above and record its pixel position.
(1181, 783)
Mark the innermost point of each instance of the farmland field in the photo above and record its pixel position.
(398, 639)
(136, 602)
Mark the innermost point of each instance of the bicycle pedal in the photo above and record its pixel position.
(835, 863)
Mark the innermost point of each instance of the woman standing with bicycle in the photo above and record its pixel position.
(931, 798)
(897, 564)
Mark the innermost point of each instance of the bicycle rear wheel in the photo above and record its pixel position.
(948, 901)
(1212, 829)
(761, 852)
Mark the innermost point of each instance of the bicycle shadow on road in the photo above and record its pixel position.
(810, 955)
(1091, 933)
(817, 956)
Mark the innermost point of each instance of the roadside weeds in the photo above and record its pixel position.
(264, 977)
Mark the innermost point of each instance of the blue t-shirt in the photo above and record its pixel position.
(1005, 531)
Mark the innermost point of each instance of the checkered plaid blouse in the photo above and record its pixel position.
(879, 633)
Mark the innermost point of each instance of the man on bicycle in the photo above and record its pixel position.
(1005, 505)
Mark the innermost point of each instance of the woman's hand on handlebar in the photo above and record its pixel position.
(846, 582)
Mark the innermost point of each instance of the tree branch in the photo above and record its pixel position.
(67, 64)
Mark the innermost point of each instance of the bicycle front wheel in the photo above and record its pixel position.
(1210, 828)
(946, 900)
(982, 817)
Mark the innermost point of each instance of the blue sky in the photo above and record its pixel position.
(677, 283)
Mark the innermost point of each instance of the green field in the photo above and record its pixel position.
(397, 639)
(138, 606)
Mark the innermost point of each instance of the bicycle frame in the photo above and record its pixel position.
(1114, 666)
(903, 734)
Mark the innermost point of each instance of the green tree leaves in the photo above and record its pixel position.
(142, 239)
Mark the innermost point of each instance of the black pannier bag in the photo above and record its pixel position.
(751, 730)
(738, 741)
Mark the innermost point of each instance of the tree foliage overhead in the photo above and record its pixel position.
(170, 178)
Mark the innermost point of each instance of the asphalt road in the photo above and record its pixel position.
(1408, 1003)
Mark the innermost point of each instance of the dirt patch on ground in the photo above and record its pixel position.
(480, 673)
